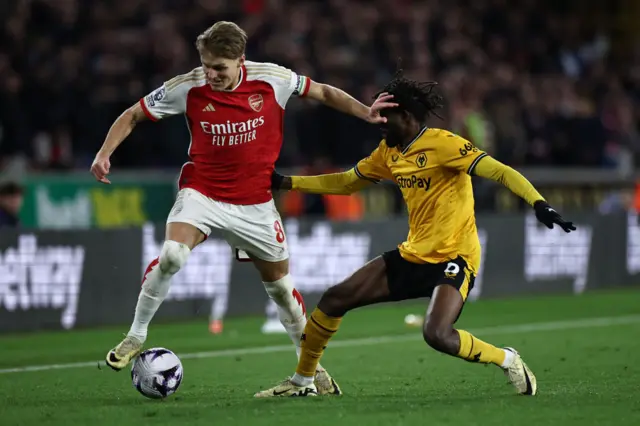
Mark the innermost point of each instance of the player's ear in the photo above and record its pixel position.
(407, 117)
(241, 60)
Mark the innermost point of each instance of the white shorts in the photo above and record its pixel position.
(255, 229)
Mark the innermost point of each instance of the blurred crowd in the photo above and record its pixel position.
(529, 81)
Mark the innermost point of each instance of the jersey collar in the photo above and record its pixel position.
(239, 80)
(420, 133)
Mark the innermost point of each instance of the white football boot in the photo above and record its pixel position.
(120, 356)
(520, 375)
(286, 388)
(325, 384)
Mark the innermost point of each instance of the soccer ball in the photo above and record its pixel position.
(156, 373)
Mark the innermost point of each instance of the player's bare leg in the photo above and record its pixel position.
(180, 239)
(444, 309)
(218, 308)
(291, 312)
(366, 286)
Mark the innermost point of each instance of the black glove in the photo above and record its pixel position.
(547, 215)
(276, 180)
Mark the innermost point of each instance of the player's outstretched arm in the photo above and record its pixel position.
(491, 168)
(345, 183)
(340, 100)
(120, 129)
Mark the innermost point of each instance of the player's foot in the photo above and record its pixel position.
(286, 388)
(215, 327)
(120, 356)
(325, 384)
(520, 375)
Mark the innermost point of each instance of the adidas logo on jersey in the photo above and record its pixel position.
(208, 108)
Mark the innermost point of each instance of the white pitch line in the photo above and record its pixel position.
(507, 329)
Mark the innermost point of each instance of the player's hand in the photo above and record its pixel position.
(280, 182)
(100, 168)
(381, 103)
(276, 180)
(547, 215)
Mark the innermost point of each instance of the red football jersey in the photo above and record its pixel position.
(236, 135)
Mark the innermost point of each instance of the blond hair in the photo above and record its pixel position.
(223, 39)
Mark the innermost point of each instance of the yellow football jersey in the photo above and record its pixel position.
(433, 173)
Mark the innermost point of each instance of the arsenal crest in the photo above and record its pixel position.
(256, 102)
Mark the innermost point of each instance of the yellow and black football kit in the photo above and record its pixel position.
(433, 173)
(442, 247)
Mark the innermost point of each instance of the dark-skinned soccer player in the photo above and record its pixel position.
(441, 255)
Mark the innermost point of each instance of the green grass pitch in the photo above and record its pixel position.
(585, 351)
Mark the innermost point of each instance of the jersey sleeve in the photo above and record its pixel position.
(299, 84)
(491, 168)
(334, 183)
(285, 83)
(457, 153)
(374, 167)
(160, 104)
(171, 98)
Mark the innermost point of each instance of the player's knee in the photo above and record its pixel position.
(173, 256)
(438, 336)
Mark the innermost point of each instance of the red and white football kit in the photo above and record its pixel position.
(236, 137)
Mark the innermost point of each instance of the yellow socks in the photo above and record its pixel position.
(319, 329)
(473, 349)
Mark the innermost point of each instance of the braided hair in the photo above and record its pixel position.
(417, 98)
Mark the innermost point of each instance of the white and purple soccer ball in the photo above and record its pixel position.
(156, 373)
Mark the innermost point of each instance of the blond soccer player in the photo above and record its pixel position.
(234, 109)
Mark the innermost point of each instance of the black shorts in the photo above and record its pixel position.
(408, 280)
